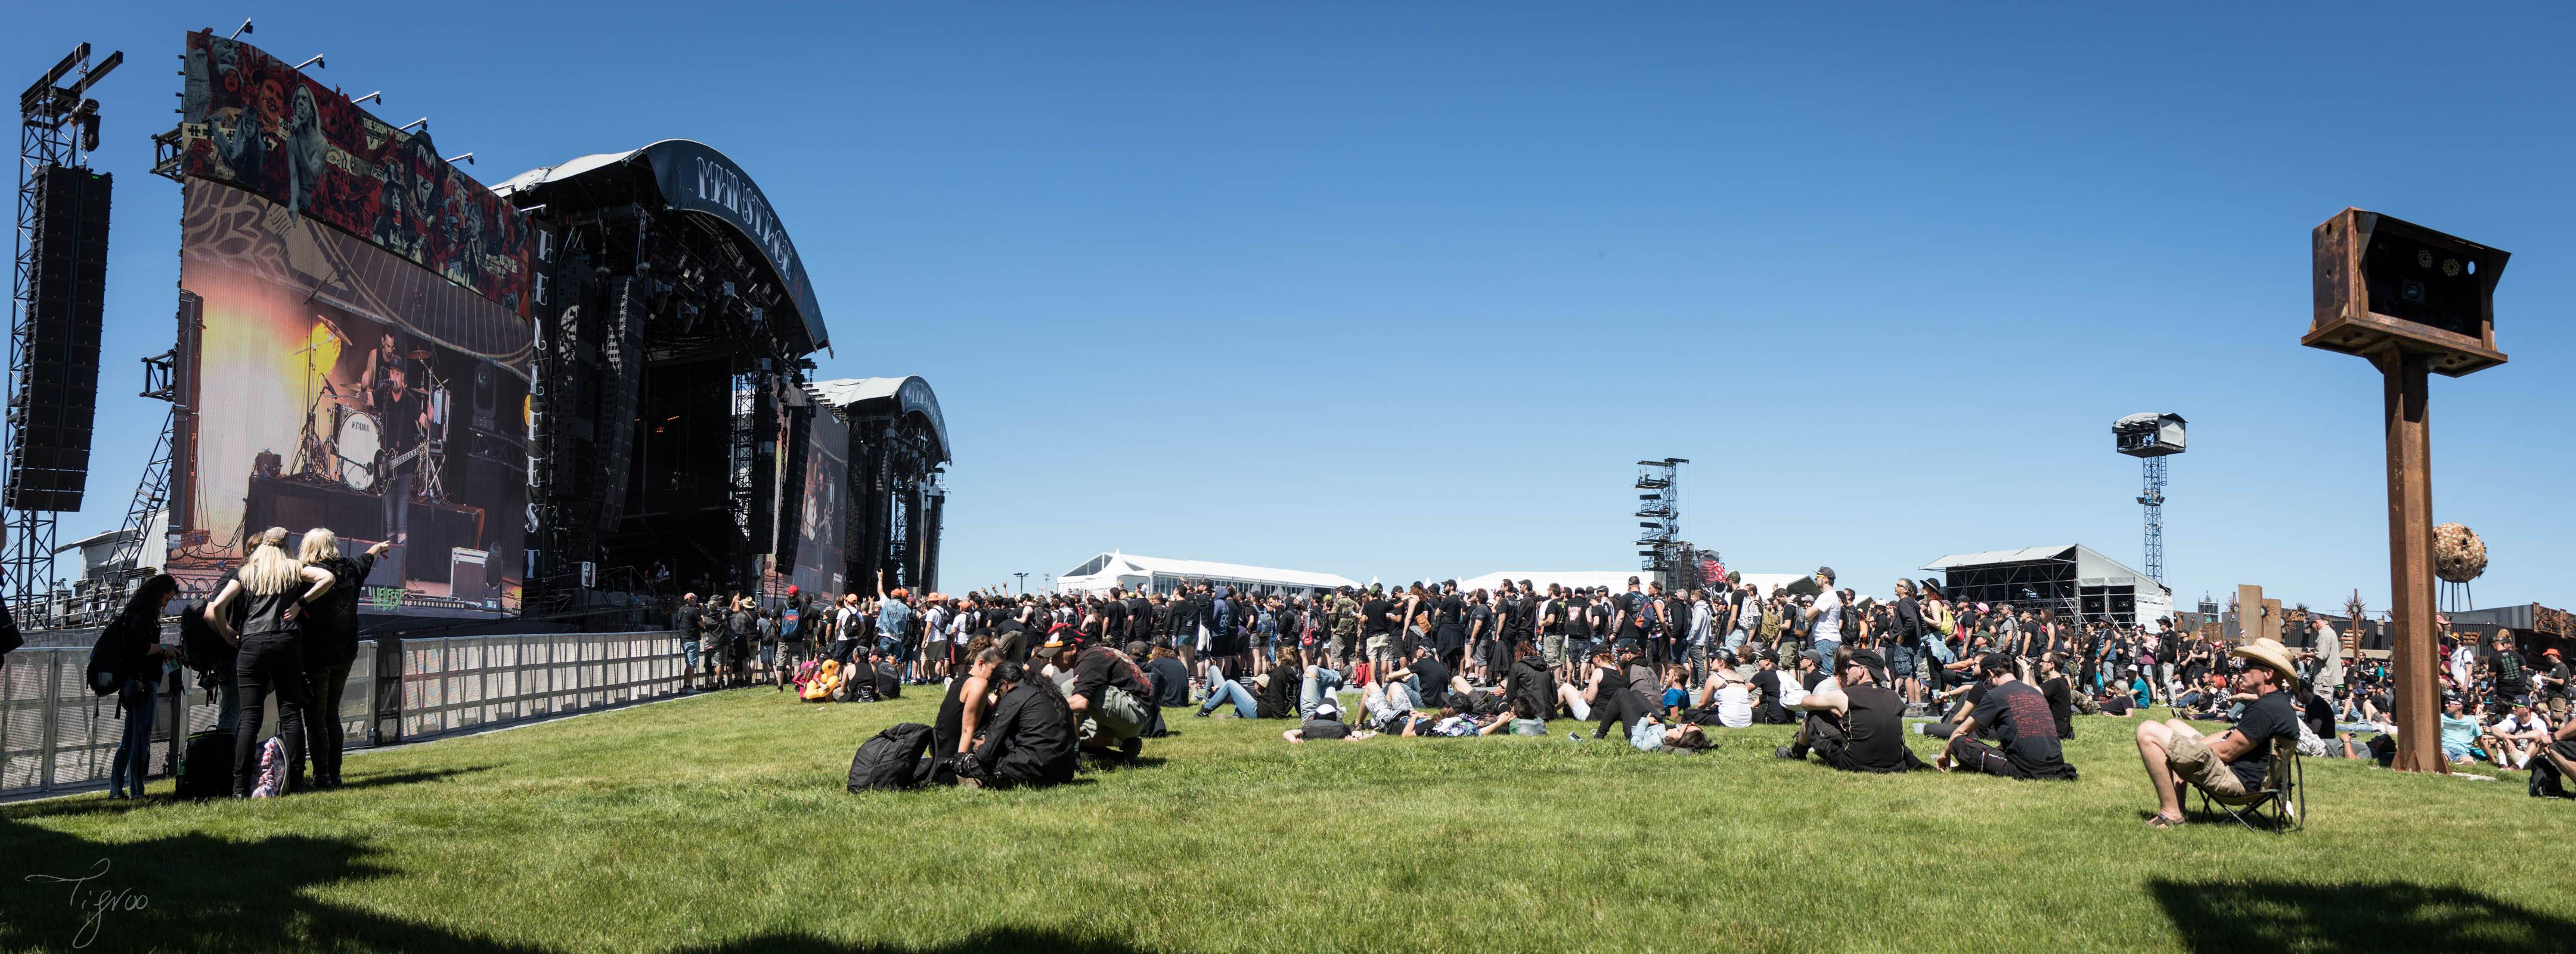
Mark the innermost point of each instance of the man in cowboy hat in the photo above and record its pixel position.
(2233, 762)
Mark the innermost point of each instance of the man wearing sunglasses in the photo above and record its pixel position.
(1854, 723)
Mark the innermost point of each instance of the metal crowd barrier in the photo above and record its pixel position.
(59, 736)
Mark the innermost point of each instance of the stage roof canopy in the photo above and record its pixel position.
(689, 177)
(2090, 564)
(893, 397)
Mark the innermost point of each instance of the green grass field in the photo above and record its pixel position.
(718, 823)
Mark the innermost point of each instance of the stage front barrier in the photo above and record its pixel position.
(59, 737)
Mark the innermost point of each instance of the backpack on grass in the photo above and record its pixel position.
(892, 759)
(206, 765)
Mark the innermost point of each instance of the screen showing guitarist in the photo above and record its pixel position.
(405, 413)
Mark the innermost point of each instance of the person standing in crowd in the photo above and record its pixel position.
(739, 633)
(848, 629)
(330, 631)
(1825, 618)
(1905, 643)
(133, 640)
(275, 589)
(685, 621)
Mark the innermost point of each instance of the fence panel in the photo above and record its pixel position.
(55, 735)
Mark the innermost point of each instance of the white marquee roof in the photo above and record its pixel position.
(1115, 564)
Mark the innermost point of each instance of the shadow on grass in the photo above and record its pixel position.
(999, 939)
(194, 892)
(2233, 916)
(413, 778)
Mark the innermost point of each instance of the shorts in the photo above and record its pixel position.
(689, 655)
(1377, 645)
(936, 652)
(1904, 662)
(1551, 650)
(2192, 761)
(769, 654)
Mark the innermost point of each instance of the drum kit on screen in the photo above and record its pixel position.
(348, 446)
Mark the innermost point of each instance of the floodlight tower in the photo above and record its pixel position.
(2151, 438)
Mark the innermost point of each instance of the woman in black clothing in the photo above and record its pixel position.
(330, 634)
(1031, 739)
(274, 589)
(952, 736)
(135, 640)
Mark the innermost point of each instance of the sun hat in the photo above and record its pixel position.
(2270, 655)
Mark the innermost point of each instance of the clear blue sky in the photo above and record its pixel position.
(1404, 290)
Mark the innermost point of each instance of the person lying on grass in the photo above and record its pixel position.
(1327, 724)
(2021, 719)
(2234, 762)
(1854, 722)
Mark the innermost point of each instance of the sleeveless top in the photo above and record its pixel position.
(265, 614)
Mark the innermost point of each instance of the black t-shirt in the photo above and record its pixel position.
(2022, 721)
(1875, 724)
(1435, 679)
(1113, 617)
(1482, 614)
(2267, 718)
(1171, 681)
(1632, 616)
(1325, 729)
(2318, 713)
(1373, 616)
(2061, 705)
(1766, 687)
(685, 620)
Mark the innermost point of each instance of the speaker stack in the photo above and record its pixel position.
(56, 404)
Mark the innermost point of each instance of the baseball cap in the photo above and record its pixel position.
(1994, 663)
(1826, 572)
(1137, 647)
(1327, 710)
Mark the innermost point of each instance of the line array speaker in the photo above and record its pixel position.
(56, 404)
(622, 361)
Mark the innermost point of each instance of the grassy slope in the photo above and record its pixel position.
(719, 823)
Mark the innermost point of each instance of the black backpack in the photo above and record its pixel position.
(206, 765)
(892, 759)
(104, 679)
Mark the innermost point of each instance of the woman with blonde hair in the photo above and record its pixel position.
(330, 632)
(273, 589)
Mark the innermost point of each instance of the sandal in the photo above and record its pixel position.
(2160, 821)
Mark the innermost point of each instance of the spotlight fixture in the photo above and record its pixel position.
(239, 30)
(315, 62)
(467, 156)
(378, 96)
(422, 122)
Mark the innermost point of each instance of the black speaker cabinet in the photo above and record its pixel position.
(2384, 284)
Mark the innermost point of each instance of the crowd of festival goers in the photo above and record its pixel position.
(1089, 676)
(1035, 684)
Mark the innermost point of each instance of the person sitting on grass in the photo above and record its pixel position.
(2459, 734)
(2234, 762)
(1854, 722)
(1531, 685)
(1767, 678)
(2022, 720)
(952, 736)
(1031, 740)
(1724, 700)
(1110, 697)
(2515, 737)
(2555, 764)
(1326, 724)
(1604, 677)
(1276, 700)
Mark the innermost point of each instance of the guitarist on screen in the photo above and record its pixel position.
(406, 421)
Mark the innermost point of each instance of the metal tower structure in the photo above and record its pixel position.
(2151, 438)
(1659, 513)
(58, 126)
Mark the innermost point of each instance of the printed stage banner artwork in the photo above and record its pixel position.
(248, 120)
(820, 507)
(339, 385)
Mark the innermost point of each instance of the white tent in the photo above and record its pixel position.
(1159, 574)
(1616, 580)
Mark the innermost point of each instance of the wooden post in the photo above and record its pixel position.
(2410, 561)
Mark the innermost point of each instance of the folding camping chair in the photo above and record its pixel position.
(2282, 802)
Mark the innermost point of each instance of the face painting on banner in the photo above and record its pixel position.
(251, 121)
(341, 386)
